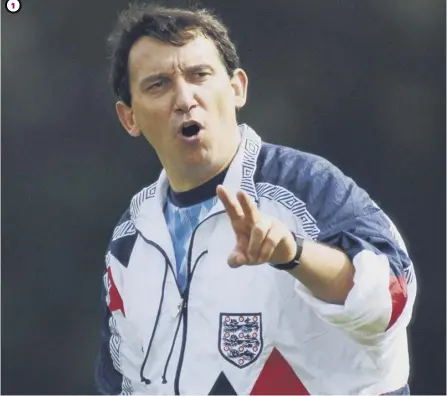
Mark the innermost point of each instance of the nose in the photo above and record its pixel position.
(184, 98)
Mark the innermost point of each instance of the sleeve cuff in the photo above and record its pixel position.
(367, 308)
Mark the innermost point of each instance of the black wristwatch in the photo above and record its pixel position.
(299, 240)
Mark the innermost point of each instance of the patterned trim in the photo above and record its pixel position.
(409, 274)
(251, 152)
(292, 204)
(137, 200)
(115, 338)
(108, 257)
(115, 344)
(105, 278)
(125, 229)
(127, 388)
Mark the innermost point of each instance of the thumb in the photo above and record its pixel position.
(236, 259)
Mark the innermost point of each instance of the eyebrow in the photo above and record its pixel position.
(155, 77)
(199, 67)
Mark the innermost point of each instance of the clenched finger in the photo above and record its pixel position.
(236, 259)
(270, 243)
(257, 236)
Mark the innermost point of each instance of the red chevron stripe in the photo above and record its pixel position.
(115, 300)
(398, 291)
(278, 378)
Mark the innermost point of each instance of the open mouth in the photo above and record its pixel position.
(190, 129)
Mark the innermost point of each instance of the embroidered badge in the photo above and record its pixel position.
(240, 338)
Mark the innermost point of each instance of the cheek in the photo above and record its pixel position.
(153, 122)
(224, 99)
(149, 110)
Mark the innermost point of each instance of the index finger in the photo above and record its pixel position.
(232, 207)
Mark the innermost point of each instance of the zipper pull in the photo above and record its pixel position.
(176, 311)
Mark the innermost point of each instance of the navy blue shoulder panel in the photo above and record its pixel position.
(323, 188)
(123, 239)
(344, 213)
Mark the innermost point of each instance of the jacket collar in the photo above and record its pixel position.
(151, 200)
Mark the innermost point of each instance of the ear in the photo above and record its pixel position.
(125, 115)
(239, 82)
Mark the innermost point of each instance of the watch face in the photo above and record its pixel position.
(299, 247)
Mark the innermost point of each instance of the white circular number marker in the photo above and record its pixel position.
(13, 6)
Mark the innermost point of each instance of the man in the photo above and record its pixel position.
(247, 268)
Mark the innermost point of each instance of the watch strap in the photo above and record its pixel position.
(295, 262)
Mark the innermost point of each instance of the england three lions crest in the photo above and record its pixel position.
(240, 338)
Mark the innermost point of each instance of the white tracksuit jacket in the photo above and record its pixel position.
(255, 329)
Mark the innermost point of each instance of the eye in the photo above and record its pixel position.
(156, 85)
(202, 74)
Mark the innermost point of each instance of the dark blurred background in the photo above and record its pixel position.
(361, 83)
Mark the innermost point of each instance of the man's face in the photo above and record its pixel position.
(176, 87)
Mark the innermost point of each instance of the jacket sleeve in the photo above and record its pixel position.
(384, 290)
(118, 364)
(108, 373)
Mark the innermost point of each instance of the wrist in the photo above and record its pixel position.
(295, 262)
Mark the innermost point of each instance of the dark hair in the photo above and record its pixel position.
(170, 25)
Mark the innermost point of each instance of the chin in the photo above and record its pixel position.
(198, 160)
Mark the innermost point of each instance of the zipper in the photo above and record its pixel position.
(165, 255)
(163, 378)
(182, 307)
(184, 310)
(176, 311)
